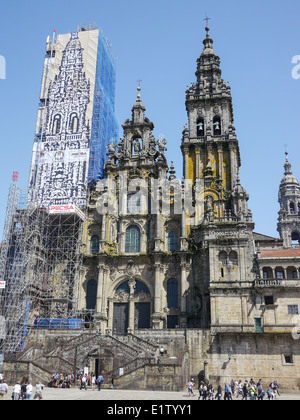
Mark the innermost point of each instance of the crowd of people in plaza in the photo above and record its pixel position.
(245, 390)
(90, 380)
(58, 380)
(83, 381)
(22, 390)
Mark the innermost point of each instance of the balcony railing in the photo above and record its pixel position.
(277, 283)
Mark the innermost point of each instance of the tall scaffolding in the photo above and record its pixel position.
(41, 253)
(39, 267)
(104, 126)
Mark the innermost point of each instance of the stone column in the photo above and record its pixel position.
(183, 242)
(197, 151)
(110, 314)
(232, 165)
(220, 152)
(158, 232)
(99, 304)
(213, 309)
(101, 313)
(157, 289)
(157, 317)
(81, 292)
(183, 286)
(131, 307)
(244, 310)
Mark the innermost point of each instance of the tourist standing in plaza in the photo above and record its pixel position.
(100, 381)
(190, 386)
(38, 391)
(29, 389)
(219, 393)
(3, 390)
(227, 395)
(93, 382)
(245, 391)
(16, 392)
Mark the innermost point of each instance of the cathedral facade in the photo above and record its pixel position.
(177, 263)
(164, 254)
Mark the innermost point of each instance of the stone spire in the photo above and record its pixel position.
(138, 109)
(210, 144)
(289, 200)
(287, 165)
(209, 81)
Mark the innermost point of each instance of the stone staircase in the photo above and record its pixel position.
(65, 355)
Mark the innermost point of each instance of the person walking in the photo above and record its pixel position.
(38, 391)
(100, 381)
(260, 393)
(190, 385)
(29, 389)
(204, 392)
(270, 393)
(219, 393)
(23, 390)
(227, 391)
(3, 390)
(93, 382)
(252, 392)
(276, 388)
(245, 391)
(16, 392)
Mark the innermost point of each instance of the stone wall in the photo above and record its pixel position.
(16, 371)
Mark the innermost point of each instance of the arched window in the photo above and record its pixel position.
(292, 207)
(94, 246)
(124, 288)
(172, 241)
(140, 287)
(172, 293)
(133, 239)
(133, 204)
(73, 123)
(56, 124)
(233, 257)
(223, 257)
(91, 294)
(217, 126)
(295, 238)
(200, 127)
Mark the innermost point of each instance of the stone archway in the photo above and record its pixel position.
(131, 307)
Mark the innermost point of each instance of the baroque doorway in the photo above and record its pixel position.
(132, 307)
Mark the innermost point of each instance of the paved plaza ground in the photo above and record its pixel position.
(75, 394)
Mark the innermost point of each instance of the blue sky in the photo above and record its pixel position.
(159, 43)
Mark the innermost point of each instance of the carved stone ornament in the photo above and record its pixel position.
(122, 297)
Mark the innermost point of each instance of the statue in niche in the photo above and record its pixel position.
(136, 147)
(113, 230)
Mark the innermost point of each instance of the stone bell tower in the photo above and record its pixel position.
(209, 145)
(221, 226)
(289, 214)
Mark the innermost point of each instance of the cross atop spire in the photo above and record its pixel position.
(207, 27)
(207, 19)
